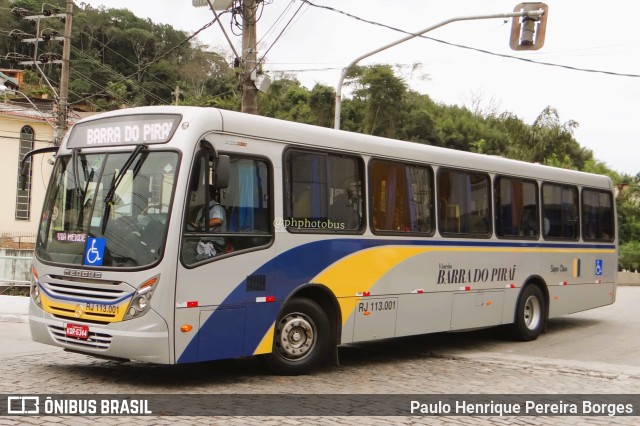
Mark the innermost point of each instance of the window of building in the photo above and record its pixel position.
(560, 211)
(323, 192)
(464, 206)
(23, 196)
(597, 215)
(516, 208)
(401, 197)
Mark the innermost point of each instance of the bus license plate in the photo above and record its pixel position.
(77, 331)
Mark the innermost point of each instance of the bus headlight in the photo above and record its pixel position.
(139, 304)
(35, 288)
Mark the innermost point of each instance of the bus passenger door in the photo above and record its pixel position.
(227, 237)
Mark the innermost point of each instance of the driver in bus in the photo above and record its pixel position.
(210, 247)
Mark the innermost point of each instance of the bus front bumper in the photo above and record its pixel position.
(142, 339)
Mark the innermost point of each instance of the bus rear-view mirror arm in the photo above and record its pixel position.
(24, 164)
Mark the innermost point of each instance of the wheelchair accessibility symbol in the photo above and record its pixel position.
(598, 266)
(94, 252)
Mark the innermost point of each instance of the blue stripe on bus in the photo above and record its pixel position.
(298, 266)
(85, 299)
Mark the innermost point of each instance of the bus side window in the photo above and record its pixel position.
(239, 215)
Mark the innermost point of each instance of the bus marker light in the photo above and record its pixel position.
(556, 297)
(467, 288)
(598, 281)
(186, 328)
(192, 304)
(417, 291)
(563, 283)
(363, 294)
(267, 299)
(512, 285)
(367, 313)
(489, 303)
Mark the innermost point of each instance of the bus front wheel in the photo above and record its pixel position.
(301, 338)
(530, 314)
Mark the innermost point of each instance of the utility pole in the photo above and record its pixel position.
(249, 56)
(64, 75)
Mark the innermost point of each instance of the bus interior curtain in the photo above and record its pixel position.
(318, 168)
(391, 208)
(413, 183)
(246, 185)
(462, 197)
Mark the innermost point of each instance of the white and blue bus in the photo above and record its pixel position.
(181, 234)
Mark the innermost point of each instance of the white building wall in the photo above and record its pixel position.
(10, 127)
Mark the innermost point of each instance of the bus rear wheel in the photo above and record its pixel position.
(301, 338)
(530, 314)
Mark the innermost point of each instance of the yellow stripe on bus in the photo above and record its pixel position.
(359, 272)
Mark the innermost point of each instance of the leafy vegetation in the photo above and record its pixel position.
(120, 60)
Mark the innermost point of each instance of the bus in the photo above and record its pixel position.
(177, 234)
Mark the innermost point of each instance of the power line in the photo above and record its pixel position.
(114, 73)
(104, 46)
(282, 32)
(461, 46)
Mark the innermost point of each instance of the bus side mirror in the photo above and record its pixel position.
(223, 164)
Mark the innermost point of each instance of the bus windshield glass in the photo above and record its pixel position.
(78, 228)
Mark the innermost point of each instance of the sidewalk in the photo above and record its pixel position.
(16, 305)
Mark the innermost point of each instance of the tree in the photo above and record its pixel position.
(383, 93)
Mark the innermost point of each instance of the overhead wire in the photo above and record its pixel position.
(282, 31)
(475, 49)
(115, 74)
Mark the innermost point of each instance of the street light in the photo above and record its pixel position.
(4, 90)
(526, 13)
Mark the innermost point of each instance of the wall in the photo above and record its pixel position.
(15, 266)
(9, 145)
(626, 278)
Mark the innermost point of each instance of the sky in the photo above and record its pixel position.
(317, 43)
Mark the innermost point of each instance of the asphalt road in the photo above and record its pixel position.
(607, 335)
(592, 352)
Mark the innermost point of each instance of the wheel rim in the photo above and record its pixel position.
(532, 312)
(296, 336)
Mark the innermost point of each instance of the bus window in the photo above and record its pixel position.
(464, 203)
(597, 215)
(516, 208)
(560, 211)
(323, 192)
(401, 197)
(238, 216)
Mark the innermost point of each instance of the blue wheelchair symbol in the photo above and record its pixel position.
(94, 252)
(598, 266)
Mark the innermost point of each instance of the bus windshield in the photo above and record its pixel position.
(79, 228)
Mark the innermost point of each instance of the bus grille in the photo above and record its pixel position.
(96, 340)
(93, 290)
(66, 293)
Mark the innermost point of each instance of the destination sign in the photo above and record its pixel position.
(124, 130)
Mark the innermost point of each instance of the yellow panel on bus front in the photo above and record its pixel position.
(90, 311)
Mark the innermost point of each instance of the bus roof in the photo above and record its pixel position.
(206, 120)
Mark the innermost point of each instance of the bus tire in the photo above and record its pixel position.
(530, 314)
(301, 338)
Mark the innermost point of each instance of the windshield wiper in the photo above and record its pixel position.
(108, 199)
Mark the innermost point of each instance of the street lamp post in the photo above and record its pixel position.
(4, 89)
(523, 13)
